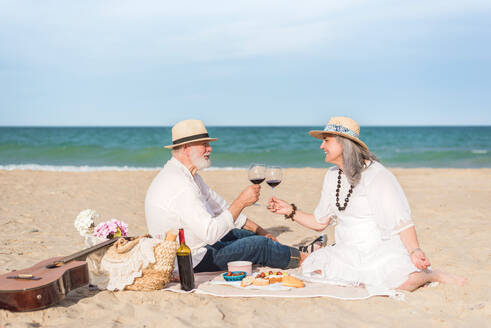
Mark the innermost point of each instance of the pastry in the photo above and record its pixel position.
(290, 281)
(247, 281)
(274, 280)
(274, 277)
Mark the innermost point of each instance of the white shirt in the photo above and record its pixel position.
(368, 247)
(378, 197)
(177, 199)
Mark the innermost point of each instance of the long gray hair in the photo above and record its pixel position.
(355, 159)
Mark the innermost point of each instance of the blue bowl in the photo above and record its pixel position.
(234, 278)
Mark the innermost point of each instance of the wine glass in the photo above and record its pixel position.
(273, 176)
(257, 174)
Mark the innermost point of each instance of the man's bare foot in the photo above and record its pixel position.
(447, 278)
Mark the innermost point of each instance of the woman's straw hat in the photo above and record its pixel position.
(342, 126)
(188, 131)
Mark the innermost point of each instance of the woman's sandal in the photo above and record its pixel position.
(320, 241)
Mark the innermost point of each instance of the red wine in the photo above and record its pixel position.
(273, 183)
(257, 181)
(185, 264)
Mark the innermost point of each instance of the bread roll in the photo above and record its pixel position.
(247, 281)
(292, 282)
(171, 235)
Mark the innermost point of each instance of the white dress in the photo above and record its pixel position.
(368, 248)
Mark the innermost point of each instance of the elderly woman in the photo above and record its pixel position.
(376, 243)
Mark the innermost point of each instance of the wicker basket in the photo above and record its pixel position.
(156, 275)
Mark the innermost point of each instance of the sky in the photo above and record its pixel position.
(155, 62)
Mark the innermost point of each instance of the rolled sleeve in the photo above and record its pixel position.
(240, 221)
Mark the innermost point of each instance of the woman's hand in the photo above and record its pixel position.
(410, 241)
(279, 206)
(307, 220)
(419, 259)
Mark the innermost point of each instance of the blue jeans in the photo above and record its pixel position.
(244, 245)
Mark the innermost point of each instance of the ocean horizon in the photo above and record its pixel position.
(72, 148)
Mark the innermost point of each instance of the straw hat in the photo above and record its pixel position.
(188, 131)
(342, 126)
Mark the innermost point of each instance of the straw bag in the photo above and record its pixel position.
(140, 264)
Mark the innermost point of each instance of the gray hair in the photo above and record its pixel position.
(176, 150)
(355, 159)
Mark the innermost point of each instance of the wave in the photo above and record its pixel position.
(72, 168)
(86, 168)
(137, 149)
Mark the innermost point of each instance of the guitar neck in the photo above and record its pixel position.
(87, 251)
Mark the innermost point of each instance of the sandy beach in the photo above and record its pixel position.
(450, 208)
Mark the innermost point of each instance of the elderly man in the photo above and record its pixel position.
(216, 232)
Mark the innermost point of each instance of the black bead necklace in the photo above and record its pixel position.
(346, 200)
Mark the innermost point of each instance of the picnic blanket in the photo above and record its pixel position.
(212, 283)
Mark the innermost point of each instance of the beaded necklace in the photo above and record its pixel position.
(346, 200)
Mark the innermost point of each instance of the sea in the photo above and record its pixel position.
(141, 148)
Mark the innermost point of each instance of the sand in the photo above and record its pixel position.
(450, 209)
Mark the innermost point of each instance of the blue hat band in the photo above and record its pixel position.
(342, 129)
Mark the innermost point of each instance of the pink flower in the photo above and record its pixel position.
(123, 227)
(111, 228)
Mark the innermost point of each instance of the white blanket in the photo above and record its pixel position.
(212, 283)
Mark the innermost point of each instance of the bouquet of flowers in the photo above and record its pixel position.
(111, 229)
(84, 223)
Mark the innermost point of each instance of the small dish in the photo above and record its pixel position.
(241, 275)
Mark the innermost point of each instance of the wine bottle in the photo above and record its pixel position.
(185, 264)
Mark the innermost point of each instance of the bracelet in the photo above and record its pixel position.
(414, 250)
(292, 214)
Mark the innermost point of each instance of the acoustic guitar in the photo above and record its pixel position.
(47, 282)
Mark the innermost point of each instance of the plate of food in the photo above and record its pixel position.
(265, 280)
(276, 279)
(273, 277)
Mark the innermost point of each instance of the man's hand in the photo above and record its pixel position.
(261, 232)
(249, 195)
(258, 230)
(270, 236)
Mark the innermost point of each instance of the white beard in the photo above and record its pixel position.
(200, 162)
